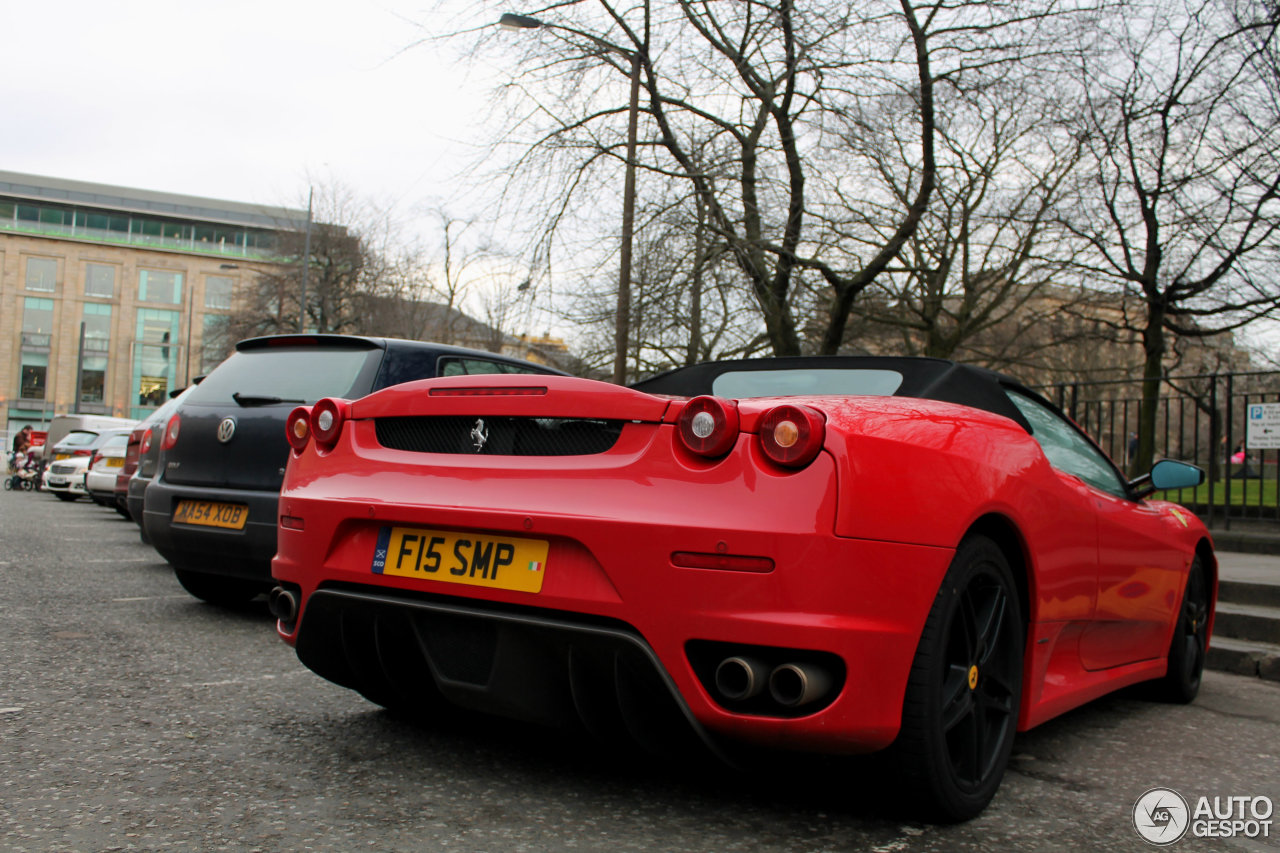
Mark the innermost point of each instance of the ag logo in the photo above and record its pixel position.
(226, 430)
(1161, 816)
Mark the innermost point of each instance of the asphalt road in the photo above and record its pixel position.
(133, 717)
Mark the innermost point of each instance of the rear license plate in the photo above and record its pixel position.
(60, 456)
(114, 463)
(500, 562)
(211, 514)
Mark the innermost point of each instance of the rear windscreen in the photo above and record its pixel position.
(78, 439)
(292, 375)
(741, 384)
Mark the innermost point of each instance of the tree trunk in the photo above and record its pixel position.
(1152, 372)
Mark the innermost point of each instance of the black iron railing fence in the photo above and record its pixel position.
(1200, 419)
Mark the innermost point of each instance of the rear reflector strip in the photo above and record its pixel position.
(293, 522)
(727, 562)
(490, 392)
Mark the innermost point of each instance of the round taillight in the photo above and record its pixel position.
(327, 418)
(297, 428)
(171, 433)
(145, 444)
(708, 425)
(791, 435)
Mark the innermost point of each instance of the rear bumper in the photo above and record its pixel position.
(862, 602)
(72, 484)
(242, 553)
(137, 491)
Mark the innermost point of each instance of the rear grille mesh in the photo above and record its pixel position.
(499, 436)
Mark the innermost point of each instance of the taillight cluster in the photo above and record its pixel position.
(171, 430)
(789, 435)
(145, 444)
(323, 421)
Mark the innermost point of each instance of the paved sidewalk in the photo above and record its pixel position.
(1250, 568)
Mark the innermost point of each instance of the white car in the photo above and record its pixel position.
(104, 466)
(64, 476)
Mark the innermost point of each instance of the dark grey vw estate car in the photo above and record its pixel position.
(211, 510)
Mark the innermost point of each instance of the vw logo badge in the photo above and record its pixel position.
(226, 430)
(479, 435)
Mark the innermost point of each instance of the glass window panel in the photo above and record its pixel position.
(100, 280)
(93, 378)
(160, 286)
(217, 291)
(1066, 448)
(28, 213)
(42, 274)
(35, 367)
(155, 360)
(97, 327)
(99, 221)
(54, 216)
(37, 315)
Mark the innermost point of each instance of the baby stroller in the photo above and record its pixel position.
(22, 472)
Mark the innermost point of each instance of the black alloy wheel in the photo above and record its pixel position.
(1190, 643)
(962, 698)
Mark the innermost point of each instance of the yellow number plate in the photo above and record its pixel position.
(500, 562)
(114, 462)
(211, 514)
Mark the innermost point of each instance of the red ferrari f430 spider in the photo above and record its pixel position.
(833, 555)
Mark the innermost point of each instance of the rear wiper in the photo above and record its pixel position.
(259, 399)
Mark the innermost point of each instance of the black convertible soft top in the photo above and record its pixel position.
(924, 378)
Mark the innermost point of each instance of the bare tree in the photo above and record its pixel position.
(753, 104)
(352, 260)
(1180, 206)
(987, 265)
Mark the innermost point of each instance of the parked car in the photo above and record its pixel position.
(63, 425)
(104, 466)
(144, 448)
(69, 460)
(212, 508)
(838, 555)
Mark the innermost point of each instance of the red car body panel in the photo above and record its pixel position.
(859, 540)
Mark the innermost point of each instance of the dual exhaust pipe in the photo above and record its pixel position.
(791, 685)
(284, 604)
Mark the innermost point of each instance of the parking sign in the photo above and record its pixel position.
(1263, 430)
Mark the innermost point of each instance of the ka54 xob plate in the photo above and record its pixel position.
(500, 562)
(211, 514)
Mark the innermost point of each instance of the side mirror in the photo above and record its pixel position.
(1168, 474)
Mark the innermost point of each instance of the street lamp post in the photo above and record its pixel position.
(622, 317)
(306, 267)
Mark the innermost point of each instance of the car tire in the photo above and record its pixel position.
(1190, 643)
(960, 711)
(217, 589)
(122, 512)
(65, 496)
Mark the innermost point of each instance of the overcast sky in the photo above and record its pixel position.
(250, 101)
(236, 100)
